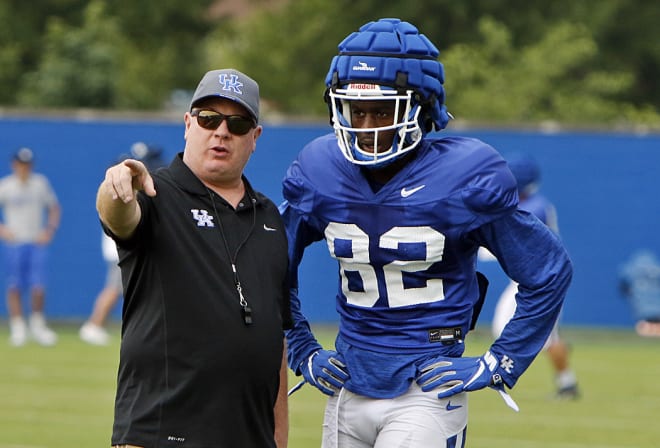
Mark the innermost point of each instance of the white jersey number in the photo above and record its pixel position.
(359, 261)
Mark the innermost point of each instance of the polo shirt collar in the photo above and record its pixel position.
(183, 176)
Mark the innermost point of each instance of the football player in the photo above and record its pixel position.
(404, 213)
(639, 283)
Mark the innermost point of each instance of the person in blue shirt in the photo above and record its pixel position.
(639, 284)
(527, 172)
(404, 212)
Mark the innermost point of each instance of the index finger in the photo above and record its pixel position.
(142, 179)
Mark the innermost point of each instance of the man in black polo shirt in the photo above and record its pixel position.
(203, 258)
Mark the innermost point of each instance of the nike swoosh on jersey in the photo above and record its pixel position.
(268, 229)
(405, 192)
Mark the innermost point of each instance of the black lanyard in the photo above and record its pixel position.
(246, 311)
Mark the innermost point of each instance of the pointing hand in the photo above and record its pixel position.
(127, 177)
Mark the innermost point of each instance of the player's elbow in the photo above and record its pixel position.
(562, 275)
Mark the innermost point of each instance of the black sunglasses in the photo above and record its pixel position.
(210, 119)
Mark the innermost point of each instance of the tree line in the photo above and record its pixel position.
(588, 63)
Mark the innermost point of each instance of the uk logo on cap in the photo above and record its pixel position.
(230, 82)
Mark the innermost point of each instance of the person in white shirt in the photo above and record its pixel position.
(31, 216)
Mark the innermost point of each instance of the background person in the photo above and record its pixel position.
(639, 283)
(404, 214)
(528, 179)
(93, 331)
(204, 257)
(31, 216)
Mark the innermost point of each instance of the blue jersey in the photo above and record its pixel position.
(406, 255)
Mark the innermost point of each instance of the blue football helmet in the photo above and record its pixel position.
(527, 173)
(387, 60)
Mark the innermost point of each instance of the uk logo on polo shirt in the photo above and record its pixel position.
(202, 217)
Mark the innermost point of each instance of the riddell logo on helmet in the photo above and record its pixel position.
(363, 87)
(364, 67)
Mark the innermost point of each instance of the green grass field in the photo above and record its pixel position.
(62, 397)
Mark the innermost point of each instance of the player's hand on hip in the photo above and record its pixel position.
(127, 177)
(326, 370)
(449, 376)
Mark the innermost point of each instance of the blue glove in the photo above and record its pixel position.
(450, 376)
(326, 370)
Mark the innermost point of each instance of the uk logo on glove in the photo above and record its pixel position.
(450, 376)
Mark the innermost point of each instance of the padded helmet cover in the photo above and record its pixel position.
(393, 53)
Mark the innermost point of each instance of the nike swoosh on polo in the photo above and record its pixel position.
(268, 229)
(405, 192)
(451, 407)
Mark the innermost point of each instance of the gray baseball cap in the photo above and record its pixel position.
(231, 84)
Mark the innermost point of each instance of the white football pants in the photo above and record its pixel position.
(415, 419)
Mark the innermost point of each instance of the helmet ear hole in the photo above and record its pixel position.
(426, 121)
